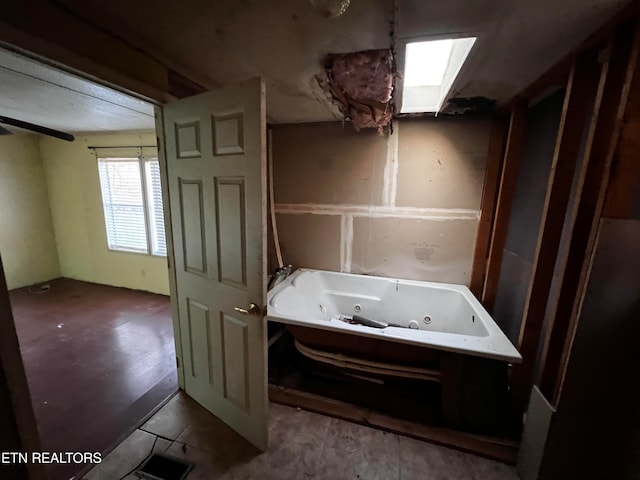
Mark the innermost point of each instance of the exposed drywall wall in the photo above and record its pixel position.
(27, 240)
(526, 211)
(309, 231)
(534, 436)
(404, 205)
(442, 164)
(78, 218)
(425, 249)
(328, 164)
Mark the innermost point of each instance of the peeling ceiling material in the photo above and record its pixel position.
(330, 8)
(226, 41)
(469, 105)
(362, 83)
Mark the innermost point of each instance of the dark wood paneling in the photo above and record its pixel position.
(584, 80)
(543, 120)
(181, 86)
(623, 195)
(595, 432)
(495, 155)
(510, 165)
(588, 206)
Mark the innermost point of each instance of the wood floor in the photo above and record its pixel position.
(98, 360)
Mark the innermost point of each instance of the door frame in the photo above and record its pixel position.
(14, 393)
(168, 226)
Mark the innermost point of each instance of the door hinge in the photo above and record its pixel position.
(178, 362)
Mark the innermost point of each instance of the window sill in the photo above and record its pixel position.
(135, 252)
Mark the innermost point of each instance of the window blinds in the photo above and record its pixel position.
(156, 214)
(129, 227)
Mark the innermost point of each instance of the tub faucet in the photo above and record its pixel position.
(279, 275)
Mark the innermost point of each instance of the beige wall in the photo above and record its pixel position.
(27, 241)
(78, 218)
(405, 205)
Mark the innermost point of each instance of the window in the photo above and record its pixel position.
(430, 67)
(132, 201)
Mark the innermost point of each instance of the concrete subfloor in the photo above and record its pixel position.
(303, 445)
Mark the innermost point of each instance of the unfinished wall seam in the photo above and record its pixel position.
(352, 207)
(379, 211)
(395, 163)
(346, 243)
(386, 178)
(343, 248)
(390, 181)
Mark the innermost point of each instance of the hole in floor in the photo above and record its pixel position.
(162, 467)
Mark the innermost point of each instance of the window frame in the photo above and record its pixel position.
(149, 193)
(142, 160)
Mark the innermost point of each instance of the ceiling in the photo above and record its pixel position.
(285, 41)
(36, 93)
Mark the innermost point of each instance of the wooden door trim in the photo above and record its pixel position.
(12, 367)
(55, 35)
(49, 53)
(171, 257)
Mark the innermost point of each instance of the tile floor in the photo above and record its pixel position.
(303, 445)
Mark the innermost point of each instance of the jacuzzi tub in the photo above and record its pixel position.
(453, 342)
(444, 316)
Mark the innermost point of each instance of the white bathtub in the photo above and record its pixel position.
(448, 317)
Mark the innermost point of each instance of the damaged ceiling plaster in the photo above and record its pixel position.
(287, 42)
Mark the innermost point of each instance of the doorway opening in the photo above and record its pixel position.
(84, 254)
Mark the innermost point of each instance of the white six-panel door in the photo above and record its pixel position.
(215, 146)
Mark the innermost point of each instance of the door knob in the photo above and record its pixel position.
(252, 310)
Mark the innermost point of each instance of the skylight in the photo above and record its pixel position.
(426, 63)
(430, 67)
